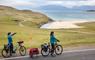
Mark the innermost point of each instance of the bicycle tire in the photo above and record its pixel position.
(45, 55)
(7, 53)
(57, 48)
(21, 49)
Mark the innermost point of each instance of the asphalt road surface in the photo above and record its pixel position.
(87, 54)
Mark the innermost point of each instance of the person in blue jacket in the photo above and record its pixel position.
(10, 42)
(53, 41)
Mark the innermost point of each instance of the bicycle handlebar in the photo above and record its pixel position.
(58, 41)
(19, 42)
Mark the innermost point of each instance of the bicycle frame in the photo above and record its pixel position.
(18, 45)
(49, 45)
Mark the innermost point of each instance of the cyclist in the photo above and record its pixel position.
(10, 42)
(53, 41)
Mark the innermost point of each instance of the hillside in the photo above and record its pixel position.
(10, 15)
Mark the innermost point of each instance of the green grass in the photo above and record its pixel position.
(34, 37)
(31, 24)
(90, 26)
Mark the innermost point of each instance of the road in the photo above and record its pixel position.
(86, 54)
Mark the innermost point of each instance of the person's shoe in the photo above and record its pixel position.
(10, 54)
(53, 55)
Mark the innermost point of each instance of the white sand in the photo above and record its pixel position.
(62, 24)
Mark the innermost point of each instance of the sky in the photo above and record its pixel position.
(32, 4)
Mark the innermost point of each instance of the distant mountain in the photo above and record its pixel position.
(55, 8)
(85, 8)
(90, 10)
(62, 8)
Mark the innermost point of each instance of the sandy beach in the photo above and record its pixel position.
(63, 24)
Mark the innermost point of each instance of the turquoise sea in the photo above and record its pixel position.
(67, 15)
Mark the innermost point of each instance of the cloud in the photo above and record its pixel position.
(36, 3)
(72, 3)
(15, 2)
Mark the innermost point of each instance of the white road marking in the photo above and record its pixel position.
(40, 54)
(78, 50)
(15, 57)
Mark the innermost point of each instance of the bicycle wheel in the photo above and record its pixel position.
(5, 53)
(22, 51)
(45, 52)
(58, 50)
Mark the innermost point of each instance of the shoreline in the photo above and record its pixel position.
(64, 24)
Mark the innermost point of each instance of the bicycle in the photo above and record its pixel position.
(6, 50)
(46, 49)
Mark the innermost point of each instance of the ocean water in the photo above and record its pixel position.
(69, 15)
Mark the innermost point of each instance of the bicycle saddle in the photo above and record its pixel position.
(20, 42)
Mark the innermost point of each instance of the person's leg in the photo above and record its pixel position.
(10, 49)
(52, 50)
